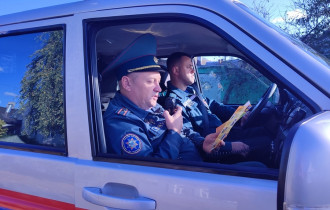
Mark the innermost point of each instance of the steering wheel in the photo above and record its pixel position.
(260, 105)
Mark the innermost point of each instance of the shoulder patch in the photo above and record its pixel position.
(131, 143)
(122, 111)
(189, 102)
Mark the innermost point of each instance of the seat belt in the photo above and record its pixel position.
(202, 107)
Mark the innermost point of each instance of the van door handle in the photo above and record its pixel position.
(121, 200)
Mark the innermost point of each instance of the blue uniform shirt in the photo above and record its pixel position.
(130, 130)
(256, 138)
(191, 110)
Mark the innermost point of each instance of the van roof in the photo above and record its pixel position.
(99, 5)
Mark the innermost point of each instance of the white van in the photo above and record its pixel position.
(52, 96)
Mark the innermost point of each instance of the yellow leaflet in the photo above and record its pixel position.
(225, 127)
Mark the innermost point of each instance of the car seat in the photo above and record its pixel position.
(163, 84)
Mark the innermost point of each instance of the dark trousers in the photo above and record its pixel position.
(259, 143)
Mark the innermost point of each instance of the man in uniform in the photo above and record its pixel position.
(134, 123)
(199, 114)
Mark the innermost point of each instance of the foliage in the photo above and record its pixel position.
(41, 100)
(3, 131)
(263, 8)
(312, 26)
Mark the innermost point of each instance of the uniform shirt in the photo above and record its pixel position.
(256, 138)
(191, 109)
(130, 130)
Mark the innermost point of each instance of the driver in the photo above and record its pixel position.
(200, 114)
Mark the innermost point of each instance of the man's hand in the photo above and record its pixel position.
(245, 117)
(175, 121)
(208, 144)
(240, 148)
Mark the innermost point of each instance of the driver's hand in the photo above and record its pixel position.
(208, 143)
(240, 148)
(245, 117)
(175, 121)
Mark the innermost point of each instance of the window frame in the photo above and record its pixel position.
(42, 148)
(90, 28)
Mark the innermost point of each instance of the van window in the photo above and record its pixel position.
(31, 89)
(106, 39)
(230, 80)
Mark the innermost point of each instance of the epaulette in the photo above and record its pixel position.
(122, 111)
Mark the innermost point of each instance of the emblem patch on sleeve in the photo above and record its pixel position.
(131, 143)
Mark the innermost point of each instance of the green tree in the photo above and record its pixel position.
(3, 131)
(41, 99)
(311, 24)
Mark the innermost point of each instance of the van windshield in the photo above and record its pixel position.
(321, 58)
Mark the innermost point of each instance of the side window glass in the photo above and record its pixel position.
(230, 80)
(31, 89)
